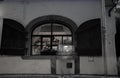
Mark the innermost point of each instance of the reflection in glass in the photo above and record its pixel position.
(44, 29)
(67, 40)
(36, 41)
(46, 41)
(67, 48)
(59, 29)
(36, 50)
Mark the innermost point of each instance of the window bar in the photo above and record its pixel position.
(51, 36)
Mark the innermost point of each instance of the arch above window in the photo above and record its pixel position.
(52, 18)
(57, 29)
(40, 28)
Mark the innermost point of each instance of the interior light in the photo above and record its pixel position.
(65, 46)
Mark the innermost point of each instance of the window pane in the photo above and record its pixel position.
(56, 42)
(67, 40)
(46, 41)
(36, 50)
(46, 44)
(59, 29)
(65, 49)
(43, 30)
(55, 48)
(36, 40)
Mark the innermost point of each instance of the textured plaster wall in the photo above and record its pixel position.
(78, 10)
(16, 65)
(91, 65)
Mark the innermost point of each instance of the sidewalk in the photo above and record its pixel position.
(53, 76)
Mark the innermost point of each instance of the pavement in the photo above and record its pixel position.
(53, 76)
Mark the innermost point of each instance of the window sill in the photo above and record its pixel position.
(47, 57)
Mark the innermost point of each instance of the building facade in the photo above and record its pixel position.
(59, 37)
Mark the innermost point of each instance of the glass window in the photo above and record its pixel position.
(67, 40)
(51, 39)
(36, 50)
(36, 40)
(59, 29)
(44, 29)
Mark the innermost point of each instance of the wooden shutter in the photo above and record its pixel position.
(117, 37)
(13, 38)
(88, 37)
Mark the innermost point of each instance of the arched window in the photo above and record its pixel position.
(51, 39)
(50, 35)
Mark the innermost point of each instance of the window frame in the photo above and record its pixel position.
(48, 19)
(51, 35)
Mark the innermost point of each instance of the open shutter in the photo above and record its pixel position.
(13, 38)
(117, 44)
(117, 37)
(88, 37)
